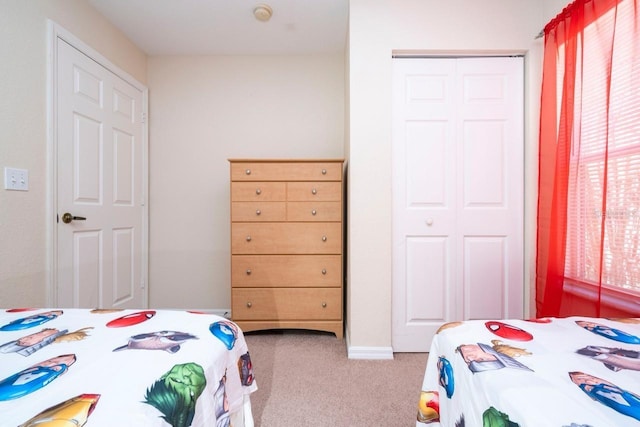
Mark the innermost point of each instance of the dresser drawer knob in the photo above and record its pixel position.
(248, 171)
(324, 238)
(324, 304)
(324, 271)
(248, 238)
(258, 191)
(324, 171)
(249, 305)
(248, 272)
(258, 211)
(314, 191)
(313, 212)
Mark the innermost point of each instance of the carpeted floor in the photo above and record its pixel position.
(305, 380)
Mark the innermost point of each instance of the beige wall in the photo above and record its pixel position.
(23, 129)
(377, 28)
(550, 8)
(203, 111)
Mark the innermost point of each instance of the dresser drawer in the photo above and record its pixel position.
(258, 211)
(314, 211)
(258, 191)
(286, 171)
(286, 238)
(286, 303)
(314, 191)
(286, 270)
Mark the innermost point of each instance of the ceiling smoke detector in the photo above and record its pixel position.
(262, 12)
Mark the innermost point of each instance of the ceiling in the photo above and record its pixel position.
(228, 27)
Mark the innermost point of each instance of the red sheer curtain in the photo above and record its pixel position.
(579, 54)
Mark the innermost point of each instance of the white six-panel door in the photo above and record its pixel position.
(99, 178)
(457, 194)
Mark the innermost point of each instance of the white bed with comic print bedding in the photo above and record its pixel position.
(552, 372)
(105, 368)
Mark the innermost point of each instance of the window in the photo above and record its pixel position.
(603, 198)
(588, 229)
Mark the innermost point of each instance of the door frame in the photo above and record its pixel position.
(55, 32)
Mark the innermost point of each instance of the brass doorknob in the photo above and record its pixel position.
(67, 218)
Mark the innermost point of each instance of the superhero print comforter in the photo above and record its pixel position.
(105, 368)
(564, 372)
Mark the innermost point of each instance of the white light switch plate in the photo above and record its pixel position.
(16, 179)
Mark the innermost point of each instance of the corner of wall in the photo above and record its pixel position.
(367, 353)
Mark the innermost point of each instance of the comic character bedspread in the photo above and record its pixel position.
(104, 368)
(573, 372)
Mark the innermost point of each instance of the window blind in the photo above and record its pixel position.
(604, 177)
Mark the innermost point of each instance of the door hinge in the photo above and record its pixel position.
(143, 117)
(142, 284)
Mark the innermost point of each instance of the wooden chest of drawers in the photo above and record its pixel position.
(287, 244)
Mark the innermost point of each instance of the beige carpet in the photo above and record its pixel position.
(305, 380)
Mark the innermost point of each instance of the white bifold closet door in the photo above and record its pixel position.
(458, 194)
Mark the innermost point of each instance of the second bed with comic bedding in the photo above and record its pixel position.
(105, 368)
(560, 372)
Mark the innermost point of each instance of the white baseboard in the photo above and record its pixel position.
(368, 353)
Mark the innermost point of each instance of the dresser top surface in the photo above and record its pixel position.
(263, 160)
